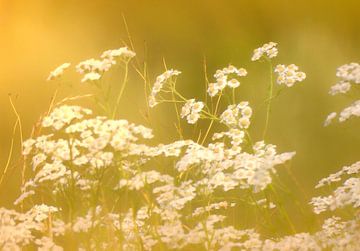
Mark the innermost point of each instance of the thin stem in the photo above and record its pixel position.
(282, 210)
(212, 121)
(178, 127)
(121, 90)
(10, 152)
(270, 94)
(21, 139)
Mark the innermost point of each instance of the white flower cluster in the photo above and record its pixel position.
(348, 112)
(231, 168)
(64, 115)
(18, 230)
(268, 50)
(114, 191)
(226, 77)
(87, 142)
(214, 206)
(58, 72)
(349, 72)
(289, 75)
(92, 69)
(191, 110)
(159, 83)
(346, 194)
(341, 87)
(345, 114)
(237, 115)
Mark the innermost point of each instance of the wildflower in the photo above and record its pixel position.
(91, 76)
(341, 87)
(222, 79)
(352, 110)
(122, 52)
(158, 85)
(93, 65)
(349, 72)
(64, 115)
(330, 118)
(58, 72)
(191, 110)
(237, 115)
(289, 75)
(268, 50)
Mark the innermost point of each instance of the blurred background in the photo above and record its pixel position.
(318, 36)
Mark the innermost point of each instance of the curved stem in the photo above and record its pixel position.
(121, 90)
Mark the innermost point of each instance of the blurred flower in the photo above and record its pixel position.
(268, 50)
(58, 72)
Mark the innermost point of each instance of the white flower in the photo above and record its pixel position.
(191, 110)
(237, 115)
(341, 87)
(329, 118)
(222, 79)
(91, 76)
(289, 75)
(352, 110)
(58, 72)
(268, 50)
(122, 52)
(349, 72)
(233, 83)
(159, 83)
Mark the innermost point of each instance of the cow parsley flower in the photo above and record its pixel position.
(122, 52)
(289, 75)
(159, 83)
(191, 110)
(341, 87)
(226, 77)
(268, 50)
(237, 115)
(330, 118)
(352, 110)
(349, 72)
(58, 72)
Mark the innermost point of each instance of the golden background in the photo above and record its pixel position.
(318, 36)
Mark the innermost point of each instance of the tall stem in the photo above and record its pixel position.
(270, 94)
(121, 90)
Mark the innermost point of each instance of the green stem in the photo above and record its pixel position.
(270, 94)
(121, 90)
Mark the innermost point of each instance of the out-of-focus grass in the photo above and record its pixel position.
(318, 36)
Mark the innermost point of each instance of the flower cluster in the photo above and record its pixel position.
(58, 72)
(64, 115)
(289, 75)
(22, 229)
(268, 50)
(237, 115)
(191, 110)
(341, 87)
(349, 72)
(112, 188)
(159, 83)
(92, 69)
(346, 194)
(226, 77)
